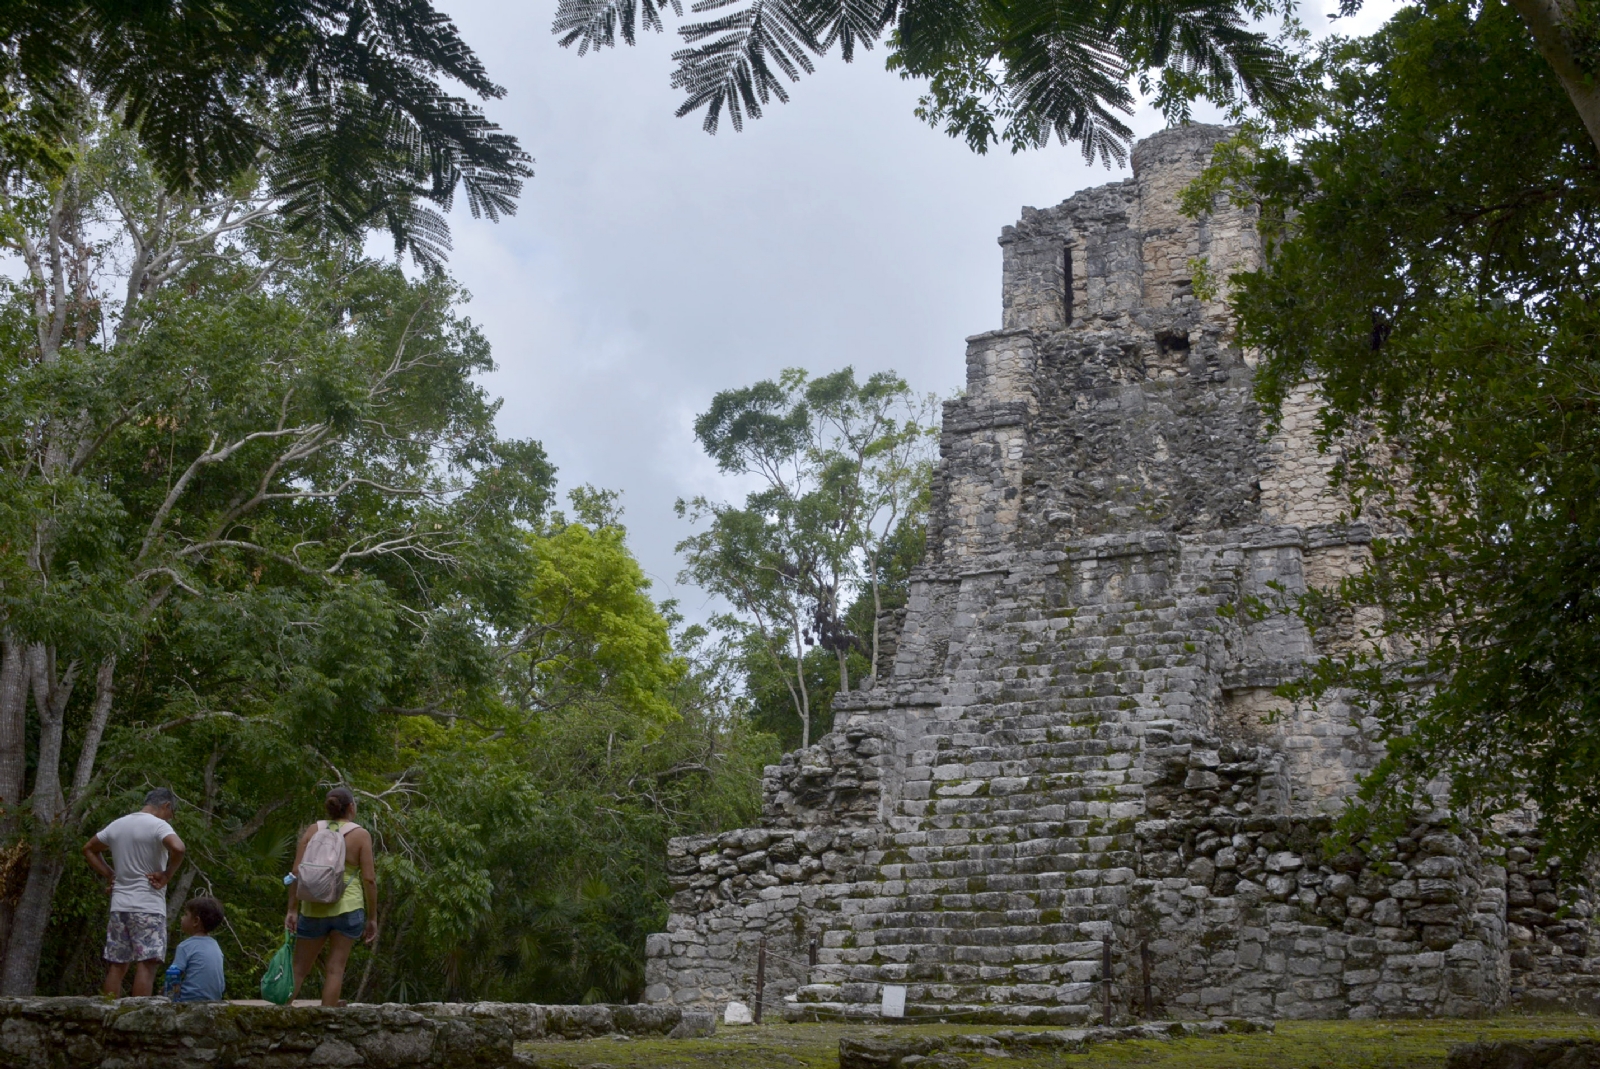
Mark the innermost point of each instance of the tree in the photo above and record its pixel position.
(1430, 264)
(1567, 33)
(998, 71)
(340, 103)
(844, 464)
(257, 498)
(528, 863)
(277, 435)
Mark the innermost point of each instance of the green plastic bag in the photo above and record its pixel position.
(277, 986)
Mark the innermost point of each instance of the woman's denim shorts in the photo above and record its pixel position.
(350, 925)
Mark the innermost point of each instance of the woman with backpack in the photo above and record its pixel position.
(333, 896)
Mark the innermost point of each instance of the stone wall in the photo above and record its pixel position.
(137, 1033)
(1079, 736)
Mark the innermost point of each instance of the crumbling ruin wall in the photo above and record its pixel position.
(134, 1033)
(1079, 736)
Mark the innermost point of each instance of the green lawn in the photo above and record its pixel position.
(1295, 1045)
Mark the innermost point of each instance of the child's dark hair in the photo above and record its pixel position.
(338, 802)
(206, 910)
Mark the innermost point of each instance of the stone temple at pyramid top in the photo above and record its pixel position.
(1077, 755)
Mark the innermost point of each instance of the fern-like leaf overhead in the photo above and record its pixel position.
(340, 102)
(1015, 71)
(734, 67)
(596, 23)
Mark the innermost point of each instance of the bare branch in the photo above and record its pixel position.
(255, 823)
(177, 580)
(195, 718)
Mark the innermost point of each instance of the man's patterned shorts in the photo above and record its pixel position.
(136, 937)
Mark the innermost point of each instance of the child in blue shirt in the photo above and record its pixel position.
(196, 971)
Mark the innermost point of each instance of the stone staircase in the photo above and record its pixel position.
(1010, 851)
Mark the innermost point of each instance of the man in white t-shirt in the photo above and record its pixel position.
(145, 852)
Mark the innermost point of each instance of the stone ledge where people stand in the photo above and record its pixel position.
(93, 1033)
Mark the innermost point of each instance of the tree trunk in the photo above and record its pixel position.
(844, 669)
(877, 612)
(29, 923)
(50, 696)
(13, 755)
(32, 916)
(13, 726)
(104, 690)
(178, 894)
(1550, 22)
(804, 705)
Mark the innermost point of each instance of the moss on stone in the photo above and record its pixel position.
(1295, 1045)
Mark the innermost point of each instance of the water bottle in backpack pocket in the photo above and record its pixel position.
(321, 876)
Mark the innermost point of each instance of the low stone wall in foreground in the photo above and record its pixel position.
(1527, 1054)
(885, 1051)
(93, 1033)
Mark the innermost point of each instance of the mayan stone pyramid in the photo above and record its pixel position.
(1074, 741)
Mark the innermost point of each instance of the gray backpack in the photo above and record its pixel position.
(322, 877)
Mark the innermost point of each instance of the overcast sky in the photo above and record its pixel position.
(651, 265)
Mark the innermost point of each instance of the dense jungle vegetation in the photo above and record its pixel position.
(259, 535)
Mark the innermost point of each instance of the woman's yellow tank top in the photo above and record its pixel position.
(354, 897)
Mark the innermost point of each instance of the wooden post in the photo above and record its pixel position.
(1149, 996)
(813, 961)
(1105, 975)
(761, 978)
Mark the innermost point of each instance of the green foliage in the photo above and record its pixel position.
(263, 507)
(341, 104)
(537, 865)
(1431, 264)
(1013, 72)
(767, 702)
(844, 470)
(592, 628)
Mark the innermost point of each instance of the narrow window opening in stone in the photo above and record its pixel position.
(1172, 341)
(1066, 285)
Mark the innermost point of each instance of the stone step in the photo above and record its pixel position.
(951, 869)
(946, 1011)
(1042, 941)
(1067, 1003)
(973, 975)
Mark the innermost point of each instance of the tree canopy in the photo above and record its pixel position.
(1432, 238)
(1020, 72)
(807, 562)
(341, 104)
(258, 536)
